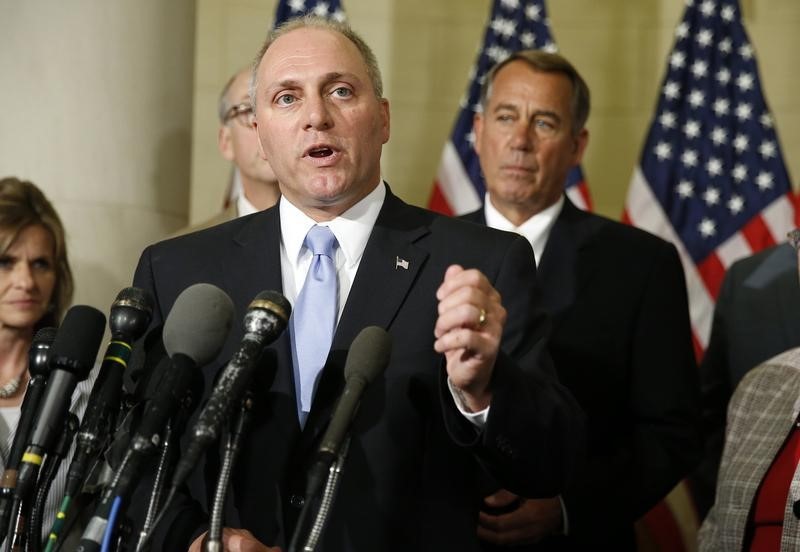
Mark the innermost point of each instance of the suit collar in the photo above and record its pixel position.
(558, 272)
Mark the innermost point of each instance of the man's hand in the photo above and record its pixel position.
(528, 523)
(468, 332)
(235, 540)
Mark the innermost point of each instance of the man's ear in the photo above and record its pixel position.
(581, 141)
(225, 142)
(477, 129)
(385, 114)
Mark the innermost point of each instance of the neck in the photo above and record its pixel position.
(14, 345)
(261, 194)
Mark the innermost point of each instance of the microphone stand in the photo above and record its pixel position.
(24, 510)
(173, 431)
(81, 495)
(45, 481)
(326, 502)
(213, 540)
(158, 484)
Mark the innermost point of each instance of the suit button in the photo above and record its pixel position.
(297, 501)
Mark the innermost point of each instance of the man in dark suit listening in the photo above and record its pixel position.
(468, 389)
(621, 335)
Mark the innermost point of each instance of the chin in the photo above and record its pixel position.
(329, 190)
(20, 322)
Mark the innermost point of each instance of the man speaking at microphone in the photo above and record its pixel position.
(467, 392)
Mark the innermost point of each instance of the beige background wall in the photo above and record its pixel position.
(96, 110)
(426, 48)
(110, 106)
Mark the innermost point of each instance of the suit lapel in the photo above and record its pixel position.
(557, 272)
(256, 248)
(385, 276)
(257, 267)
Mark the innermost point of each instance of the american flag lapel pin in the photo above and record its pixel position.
(401, 263)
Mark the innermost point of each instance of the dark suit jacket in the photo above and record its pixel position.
(755, 318)
(621, 342)
(411, 473)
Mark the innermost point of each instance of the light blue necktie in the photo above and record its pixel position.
(314, 318)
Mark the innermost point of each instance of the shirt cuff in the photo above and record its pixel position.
(564, 518)
(478, 419)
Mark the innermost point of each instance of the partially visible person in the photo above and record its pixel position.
(755, 318)
(238, 143)
(621, 339)
(757, 504)
(36, 287)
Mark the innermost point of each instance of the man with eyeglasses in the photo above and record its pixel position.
(621, 339)
(238, 143)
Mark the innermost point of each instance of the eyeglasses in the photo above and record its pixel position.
(242, 112)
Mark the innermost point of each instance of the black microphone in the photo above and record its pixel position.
(39, 369)
(368, 357)
(71, 358)
(194, 333)
(130, 316)
(265, 320)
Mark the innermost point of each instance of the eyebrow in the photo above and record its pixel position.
(537, 113)
(326, 79)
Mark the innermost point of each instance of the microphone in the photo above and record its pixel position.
(265, 320)
(39, 369)
(130, 316)
(71, 359)
(368, 357)
(194, 333)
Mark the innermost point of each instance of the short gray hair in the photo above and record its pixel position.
(316, 22)
(547, 62)
(223, 105)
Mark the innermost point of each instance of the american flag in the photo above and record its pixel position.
(459, 186)
(289, 9)
(711, 178)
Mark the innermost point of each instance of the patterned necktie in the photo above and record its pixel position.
(314, 318)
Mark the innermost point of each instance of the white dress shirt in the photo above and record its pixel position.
(352, 230)
(536, 229)
(243, 206)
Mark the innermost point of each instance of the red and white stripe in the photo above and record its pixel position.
(703, 280)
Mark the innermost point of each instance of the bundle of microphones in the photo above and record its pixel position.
(131, 427)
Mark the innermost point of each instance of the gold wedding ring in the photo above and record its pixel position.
(482, 318)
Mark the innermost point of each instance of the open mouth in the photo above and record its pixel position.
(320, 152)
